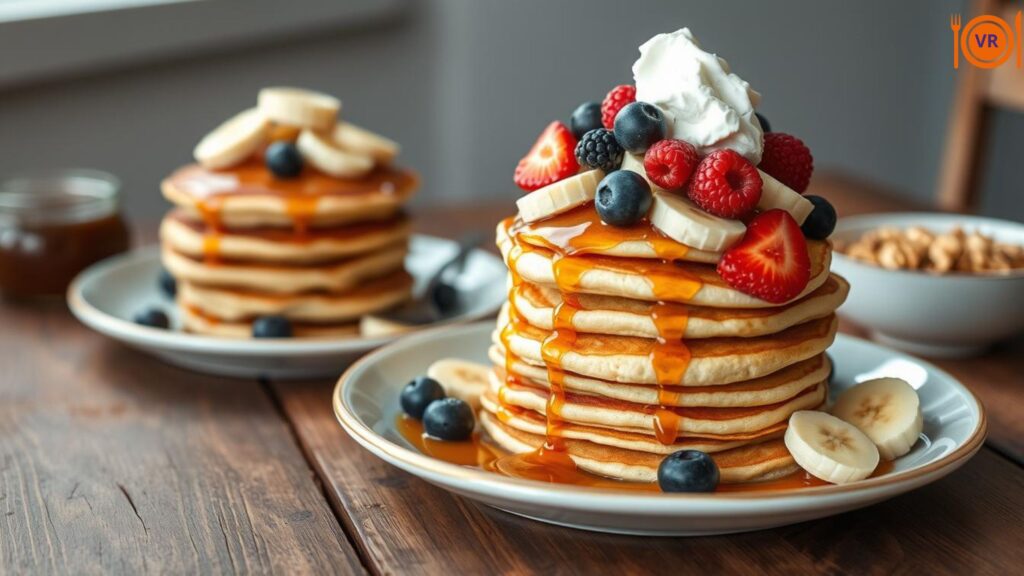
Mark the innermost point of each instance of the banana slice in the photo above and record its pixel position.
(829, 448)
(461, 379)
(681, 220)
(559, 197)
(887, 410)
(635, 163)
(298, 107)
(775, 194)
(360, 140)
(233, 141)
(321, 152)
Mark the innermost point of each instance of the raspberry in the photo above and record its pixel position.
(618, 97)
(599, 149)
(788, 160)
(726, 184)
(669, 163)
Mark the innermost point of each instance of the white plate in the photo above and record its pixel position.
(366, 403)
(107, 295)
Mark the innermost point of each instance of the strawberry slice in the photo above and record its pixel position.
(551, 159)
(771, 260)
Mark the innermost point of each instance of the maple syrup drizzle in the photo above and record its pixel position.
(210, 211)
(670, 358)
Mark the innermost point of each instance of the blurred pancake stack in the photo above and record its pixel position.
(292, 213)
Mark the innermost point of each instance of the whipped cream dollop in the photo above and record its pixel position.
(706, 104)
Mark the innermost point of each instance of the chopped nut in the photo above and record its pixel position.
(918, 248)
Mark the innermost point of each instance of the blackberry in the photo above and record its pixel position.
(599, 149)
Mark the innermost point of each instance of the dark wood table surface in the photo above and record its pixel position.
(113, 462)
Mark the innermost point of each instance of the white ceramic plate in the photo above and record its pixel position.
(107, 295)
(366, 403)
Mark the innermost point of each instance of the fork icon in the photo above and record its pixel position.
(954, 25)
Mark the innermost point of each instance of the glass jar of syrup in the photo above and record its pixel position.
(55, 225)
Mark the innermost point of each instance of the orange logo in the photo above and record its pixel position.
(987, 41)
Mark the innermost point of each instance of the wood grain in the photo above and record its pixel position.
(112, 462)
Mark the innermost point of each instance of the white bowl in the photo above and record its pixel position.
(947, 315)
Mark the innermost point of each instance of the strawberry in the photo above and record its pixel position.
(551, 159)
(771, 261)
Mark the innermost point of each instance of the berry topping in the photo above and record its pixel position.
(623, 198)
(283, 159)
(726, 184)
(821, 221)
(639, 125)
(153, 317)
(448, 419)
(418, 394)
(585, 117)
(670, 163)
(771, 260)
(550, 160)
(688, 471)
(788, 159)
(599, 149)
(271, 327)
(615, 100)
(765, 126)
(168, 285)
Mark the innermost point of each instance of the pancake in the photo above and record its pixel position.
(750, 463)
(249, 195)
(280, 279)
(199, 323)
(775, 387)
(713, 361)
(193, 238)
(236, 305)
(651, 280)
(625, 317)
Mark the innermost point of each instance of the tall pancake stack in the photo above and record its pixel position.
(320, 242)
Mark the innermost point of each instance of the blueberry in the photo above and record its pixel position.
(585, 117)
(168, 285)
(765, 126)
(271, 327)
(688, 471)
(153, 317)
(623, 198)
(448, 419)
(418, 394)
(821, 221)
(283, 159)
(639, 125)
(445, 297)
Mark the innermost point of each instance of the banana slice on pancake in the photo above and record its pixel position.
(681, 220)
(775, 194)
(635, 163)
(233, 141)
(559, 197)
(829, 448)
(353, 138)
(323, 153)
(461, 379)
(297, 107)
(887, 410)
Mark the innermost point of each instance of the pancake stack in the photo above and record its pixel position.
(320, 242)
(619, 346)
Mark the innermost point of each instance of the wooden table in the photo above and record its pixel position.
(111, 461)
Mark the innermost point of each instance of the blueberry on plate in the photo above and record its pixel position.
(168, 285)
(585, 117)
(271, 327)
(418, 394)
(765, 126)
(688, 471)
(821, 221)
(448, 419)
(623, 198)
(283, 159)
(154, 318)
(639, 125)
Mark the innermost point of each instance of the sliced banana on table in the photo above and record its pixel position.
(681, 220)
(360, 140)
(887, 410)
(559, 197)
(829, 448)
(461, 379)
(325, 155)
(298, 107)
(775, 194)
(233, 141)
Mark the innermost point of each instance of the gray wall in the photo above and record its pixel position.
(466, 85)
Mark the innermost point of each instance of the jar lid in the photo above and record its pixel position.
(60, 196)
